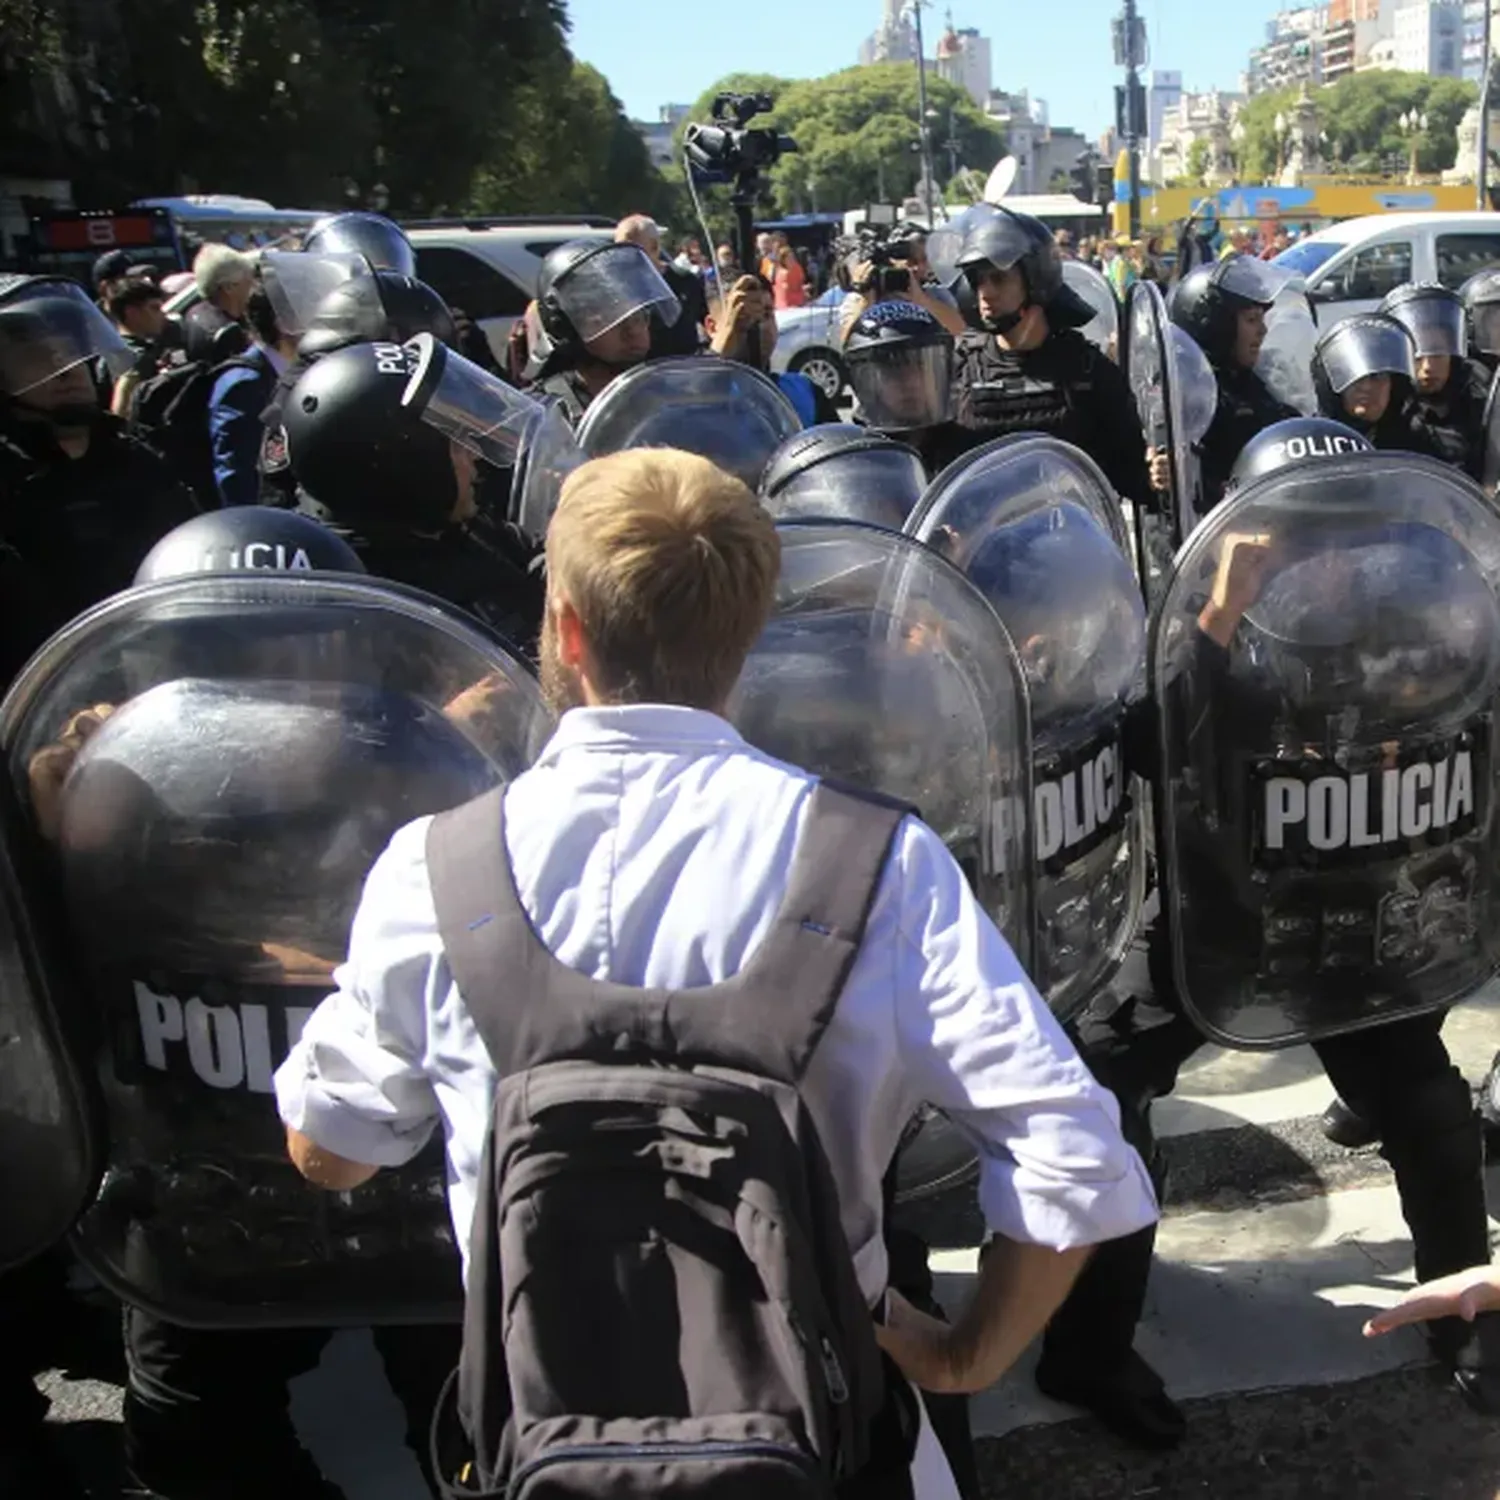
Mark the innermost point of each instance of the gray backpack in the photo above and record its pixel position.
(661, 1299)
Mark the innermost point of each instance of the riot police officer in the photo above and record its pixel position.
(1027, 368)
(1481, 299)
(900, 361)
(840, 471)
(1447, 408)
(1365, 371)
(355, 306)
(382, 242)
(1222, 307)
(388, 442)
(595, 303)
(83, 501)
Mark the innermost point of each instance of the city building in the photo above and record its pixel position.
(1429, 37)
(1473, 54)
(659, 134)
(963, 57)
(1044, 154)
(1292, 52)
(1163, 93)
(1352, 28)
(895, 41)
(1208, 117)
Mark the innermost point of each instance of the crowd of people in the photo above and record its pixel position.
(320, 410)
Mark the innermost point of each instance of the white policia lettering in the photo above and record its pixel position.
(228, 1047)
(1072, 808)
(268, 556)
(1365, 810)
(390, 359)
(1069, 810)
(1315, 447)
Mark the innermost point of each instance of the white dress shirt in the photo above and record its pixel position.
(651, 845)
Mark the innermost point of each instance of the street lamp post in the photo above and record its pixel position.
(1413, 125)
(916, 14)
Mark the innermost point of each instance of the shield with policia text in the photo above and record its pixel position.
(884, 668)
(1325, 666)
(259, 739)
(1034, 526)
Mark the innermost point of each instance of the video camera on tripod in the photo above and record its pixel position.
(728, 151)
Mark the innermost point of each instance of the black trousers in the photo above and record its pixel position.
(207, 1413)
(1398, 1076)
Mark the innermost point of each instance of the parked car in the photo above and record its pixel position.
(807, 343)
(1350, 266)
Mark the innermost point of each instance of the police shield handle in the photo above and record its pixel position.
(1242, 569)
(50, 765)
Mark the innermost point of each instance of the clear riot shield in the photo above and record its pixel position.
(259, 739)
(882, 667)
(1036, 528)
(727, 412)
(1325, 666)
(48, 1112)
(1285, 363)
(1150, 364)
(549, 452)
(1104, 329)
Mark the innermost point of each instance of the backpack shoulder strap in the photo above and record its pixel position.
(529, 1006)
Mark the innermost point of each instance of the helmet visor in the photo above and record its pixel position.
(611, 285)
(49, 328)
(879, 486)
(1363, 346)
(1484, 325)
(1436, 324)
(380, 243)
(1254, 280)
(298, 283)
(549, 453)
(903, 387)
(469, 405)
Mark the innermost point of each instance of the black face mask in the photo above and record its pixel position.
(1005, 322)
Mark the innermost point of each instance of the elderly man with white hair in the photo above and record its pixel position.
(685, 336)
(215, 328)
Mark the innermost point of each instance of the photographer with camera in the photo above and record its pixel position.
(742, 327)
(880, 266)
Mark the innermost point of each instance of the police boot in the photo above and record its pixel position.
(1433, 1140)
(1347, 1127)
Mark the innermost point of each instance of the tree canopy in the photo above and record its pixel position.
(448, 105)
(857, 134)
(1360, 115)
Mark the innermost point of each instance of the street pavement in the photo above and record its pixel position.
(1274, 1248)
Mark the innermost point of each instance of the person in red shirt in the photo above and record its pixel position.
(790, 285)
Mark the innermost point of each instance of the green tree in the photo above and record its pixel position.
(1360, 115)
(1197, 161)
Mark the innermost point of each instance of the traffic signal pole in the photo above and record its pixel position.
(1132, 139)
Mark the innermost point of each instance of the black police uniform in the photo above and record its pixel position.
(681, 336)
(82, 525)
(1066, 387)
(1245, 408)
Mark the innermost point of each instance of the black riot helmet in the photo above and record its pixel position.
(900, 361)
(1294, 441)
(383, 243)
(585, 288)
(1432, 314)
(371, 431)
(250, 537)
(1365, 345)
(1210, 298)
(386, 306)
(49, 326)
(837, 471)
(1481, 299)
(1007, 238)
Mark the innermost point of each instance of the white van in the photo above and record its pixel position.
(1350, 266)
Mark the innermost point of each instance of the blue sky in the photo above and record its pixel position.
(655, 53)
